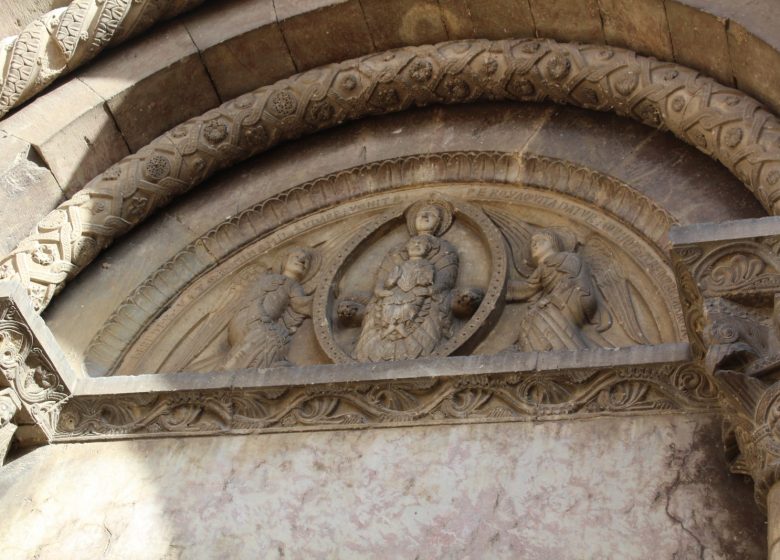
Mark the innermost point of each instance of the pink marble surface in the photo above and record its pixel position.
(632, 487)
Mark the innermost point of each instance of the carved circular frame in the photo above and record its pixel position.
(494, 291)
(723, 122)
(156, 296)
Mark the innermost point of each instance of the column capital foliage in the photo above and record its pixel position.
(729, 281)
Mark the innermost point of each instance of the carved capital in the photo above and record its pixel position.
(9, 406)
(31, 363)
(729, 281)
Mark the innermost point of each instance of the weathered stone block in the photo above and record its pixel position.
(242, 48)
(154, 85)
(568, 21)
(639, 25)
(753, 62)
(600, 141)
(18, 13)
(662, 167)
(487, 19)
(690, 28)
(331, 34)
(652, 486)
(28, 191)
(72, 131)
(404, 22)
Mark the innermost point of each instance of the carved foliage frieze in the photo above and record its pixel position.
(432, 400)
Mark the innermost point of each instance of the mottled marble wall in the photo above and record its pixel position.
(624, 488)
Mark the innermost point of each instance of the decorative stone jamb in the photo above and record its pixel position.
(31, 364)
(9, 406)
(729, 280)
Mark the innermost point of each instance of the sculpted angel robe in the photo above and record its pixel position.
(259, 333)
(566, 300)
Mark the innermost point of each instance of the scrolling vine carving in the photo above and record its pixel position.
(489, 397)
(723, 122)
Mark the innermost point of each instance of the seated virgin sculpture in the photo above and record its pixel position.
(407, 290)
(410, 309)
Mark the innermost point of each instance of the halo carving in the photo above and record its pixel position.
(324, 309)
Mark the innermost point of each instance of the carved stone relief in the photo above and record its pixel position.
(419, 301)
(30, 364)
(522, 396)
(720, 121)
(730, 281)
(432, 271)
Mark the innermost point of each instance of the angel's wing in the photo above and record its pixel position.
(183, 358)
(614, 290)
(517, 235)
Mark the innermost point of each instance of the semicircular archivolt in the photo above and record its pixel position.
(157, 303)
(724, 123)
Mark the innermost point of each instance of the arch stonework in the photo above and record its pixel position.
(730, 43)
(722, 122)
(683, 378)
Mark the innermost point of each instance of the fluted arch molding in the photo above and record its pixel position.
(724, 123)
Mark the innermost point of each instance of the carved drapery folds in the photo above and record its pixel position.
(729, 278)
(720, 121)
(427, 271)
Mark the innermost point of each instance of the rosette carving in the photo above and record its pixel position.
(668, 96)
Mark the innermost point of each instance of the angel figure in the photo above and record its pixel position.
(562, 295)
(259, 334)
(573, 297)
(260, 318)
(410, 310)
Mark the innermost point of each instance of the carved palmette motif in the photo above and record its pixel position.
(518, 397)
(712, 117)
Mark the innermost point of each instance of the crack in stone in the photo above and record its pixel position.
(669, 491)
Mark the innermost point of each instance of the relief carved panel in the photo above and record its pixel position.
(429, 270)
